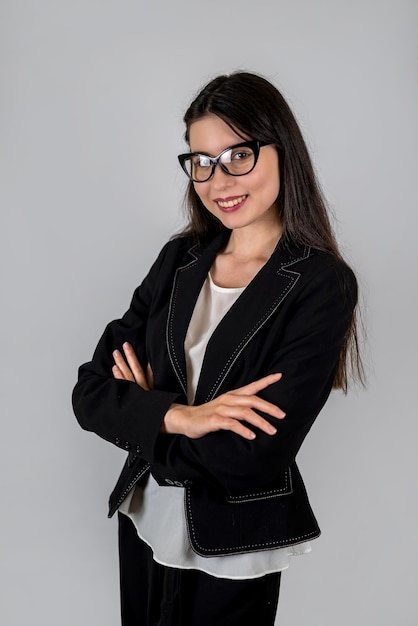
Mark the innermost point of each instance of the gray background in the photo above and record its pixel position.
(92, 96)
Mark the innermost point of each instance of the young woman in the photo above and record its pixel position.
(214, 376)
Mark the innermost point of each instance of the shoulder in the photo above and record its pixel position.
(319, 271)
(313, 261)
(331, 265)
(185, 244)
(336, 269)
(190, 248)
(173, 250)
(333, 277)
(182, 250)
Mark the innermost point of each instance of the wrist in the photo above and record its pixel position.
(171, 423)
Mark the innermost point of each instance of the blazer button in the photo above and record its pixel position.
(169, 482)
(127, 445)
(178, 483)
(138, 450)
(117, 441)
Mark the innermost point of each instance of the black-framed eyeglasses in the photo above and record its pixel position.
(236, 160)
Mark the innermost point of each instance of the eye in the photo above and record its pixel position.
(201, 160)
(240, 154)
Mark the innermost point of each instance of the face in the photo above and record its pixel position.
(237, 201)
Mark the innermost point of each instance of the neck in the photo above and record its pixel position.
(255, 242)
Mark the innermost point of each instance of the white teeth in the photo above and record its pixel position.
(231, 203)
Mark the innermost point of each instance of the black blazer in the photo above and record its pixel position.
(240, 495)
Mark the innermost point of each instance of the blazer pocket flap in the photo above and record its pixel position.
(282, 487)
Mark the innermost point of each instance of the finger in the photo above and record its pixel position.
(215, 424)
(117, 373)
(254, 402)
(267, 407)
(259, 422)
(256, 386)
(123, 367)
(240, 414)
(150, 377)
(135, 366)
(240, 429)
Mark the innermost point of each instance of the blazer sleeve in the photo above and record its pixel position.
(119, 411)
(307, 355)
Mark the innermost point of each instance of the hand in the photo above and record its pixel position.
(131, 369)
(227, 412)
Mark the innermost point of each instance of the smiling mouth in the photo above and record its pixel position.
(231, 203)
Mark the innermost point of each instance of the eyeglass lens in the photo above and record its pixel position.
(236, 161)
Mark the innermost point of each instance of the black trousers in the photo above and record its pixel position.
(154, 595)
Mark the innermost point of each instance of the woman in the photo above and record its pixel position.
(214, 376)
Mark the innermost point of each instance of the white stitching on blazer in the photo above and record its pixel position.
(169, 330)
(131, 485)
(264, 495)
(247, 547)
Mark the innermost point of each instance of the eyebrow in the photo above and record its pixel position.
(239, 143)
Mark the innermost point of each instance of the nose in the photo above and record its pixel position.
(220, 179)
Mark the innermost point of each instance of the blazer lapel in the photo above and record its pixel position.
(254, 307)
(188, 281)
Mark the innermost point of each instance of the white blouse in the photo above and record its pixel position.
(158, 513)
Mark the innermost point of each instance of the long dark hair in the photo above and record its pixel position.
(254, 108)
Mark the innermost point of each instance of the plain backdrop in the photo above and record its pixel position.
(91, 105)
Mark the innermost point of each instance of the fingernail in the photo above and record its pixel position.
(115, 352)
(272, 430)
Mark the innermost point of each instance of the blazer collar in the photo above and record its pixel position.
(254, 307)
